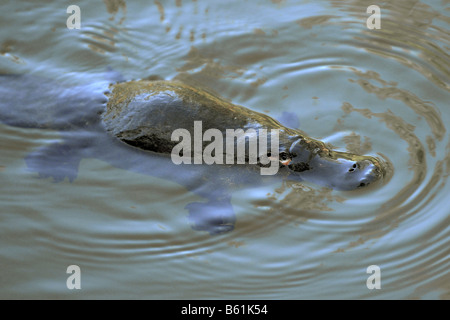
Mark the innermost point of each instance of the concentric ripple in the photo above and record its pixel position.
(313, 65)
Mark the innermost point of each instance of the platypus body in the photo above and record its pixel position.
(95, 122)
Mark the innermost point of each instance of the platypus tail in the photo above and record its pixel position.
(29, 101)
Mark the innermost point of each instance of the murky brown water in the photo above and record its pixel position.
(314, 64)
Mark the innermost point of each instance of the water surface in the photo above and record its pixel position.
(378, 92)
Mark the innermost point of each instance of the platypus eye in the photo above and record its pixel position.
(283, 156)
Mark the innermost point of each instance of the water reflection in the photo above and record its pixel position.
(382, 92)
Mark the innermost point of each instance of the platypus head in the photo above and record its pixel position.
(314, 162)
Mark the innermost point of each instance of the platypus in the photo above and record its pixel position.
(131, 125)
